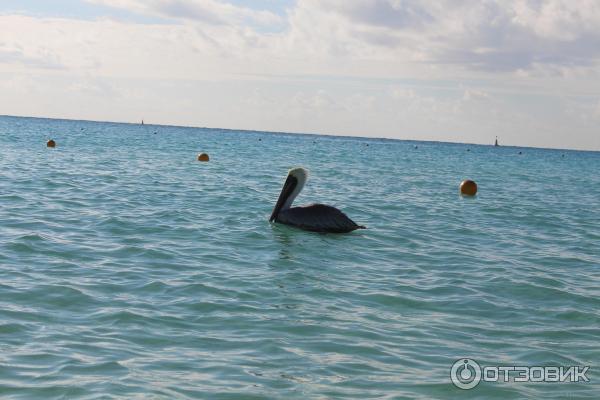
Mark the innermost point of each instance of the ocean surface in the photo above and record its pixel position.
(130, 270)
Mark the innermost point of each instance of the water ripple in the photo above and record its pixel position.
(128, 270)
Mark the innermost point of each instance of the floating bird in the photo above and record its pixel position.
(316, 217)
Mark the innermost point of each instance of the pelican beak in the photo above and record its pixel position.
(288, 188)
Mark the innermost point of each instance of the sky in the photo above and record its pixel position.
(527, 71)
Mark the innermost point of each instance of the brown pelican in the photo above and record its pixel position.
(316, 217)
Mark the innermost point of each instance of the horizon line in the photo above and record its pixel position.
(298, 133)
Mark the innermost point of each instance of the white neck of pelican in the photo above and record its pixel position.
(301, 175)
(291, 189)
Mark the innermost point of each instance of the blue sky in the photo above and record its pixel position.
(90, 10)
(76, 9)
(58, 8)
(527, 71)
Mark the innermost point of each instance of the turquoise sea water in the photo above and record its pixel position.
(130, 270)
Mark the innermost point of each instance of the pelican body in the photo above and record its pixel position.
(315, 217)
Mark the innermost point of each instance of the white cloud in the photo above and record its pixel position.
(38, 58)
(360, 37)
(481, 35)
(560, 20)
(475, 95)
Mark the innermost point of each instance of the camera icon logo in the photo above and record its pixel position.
(465, 373)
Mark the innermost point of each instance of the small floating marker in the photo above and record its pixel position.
(416, 147)
(468, 149)
(203, 157)
(520, 152)
(468, 188)
(51, 143)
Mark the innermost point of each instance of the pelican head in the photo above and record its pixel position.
(291, 188)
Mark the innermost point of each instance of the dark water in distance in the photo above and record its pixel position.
(130, 270)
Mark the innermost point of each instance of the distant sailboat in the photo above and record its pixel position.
(496, 143)
(142, 122)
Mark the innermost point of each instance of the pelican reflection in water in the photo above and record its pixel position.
(315, 217)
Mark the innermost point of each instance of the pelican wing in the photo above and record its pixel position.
(318, 218)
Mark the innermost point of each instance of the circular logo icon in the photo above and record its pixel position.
(465, 373)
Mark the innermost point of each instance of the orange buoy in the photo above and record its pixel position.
(468, 188)
(51, 143)
(203, 157)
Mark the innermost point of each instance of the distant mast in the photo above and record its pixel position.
(143, 124)
(496, 143)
